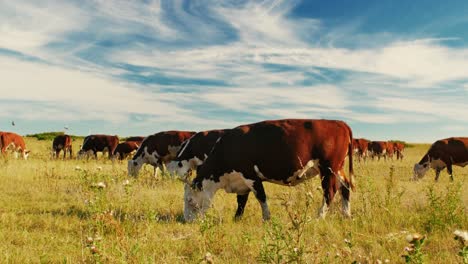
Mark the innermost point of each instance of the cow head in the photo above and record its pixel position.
(26, 154)
(134, 166)
(183, 167)
(420, 170)
(84, 154)
(197, 199)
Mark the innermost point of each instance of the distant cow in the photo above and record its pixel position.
(378, 149)
(62, 142)
(443, 154)
(361, 147)
(194, 151)
(124, 149)
(399, 147)
(14, 142)
(136, 139)
(285, 152)
(157, 149)
(93, 144)
(390, 147)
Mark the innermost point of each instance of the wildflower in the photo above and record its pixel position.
(414, 237)
(126, 182)
(99, 168)
(100, 185)
(94, 249)
(78, 168)
(208, 258)
(89, 240)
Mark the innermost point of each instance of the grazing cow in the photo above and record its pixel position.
(398, 148)
(390, 150)
(157, 149)
(62, 142)
(124, 149)
(443, 153)
(285, 152)
(378, 149)
(194, 151)
(136, 139)
(93, 144)
(361, 147)
(14, 142)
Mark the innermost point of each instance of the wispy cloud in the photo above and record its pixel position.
(214, 64)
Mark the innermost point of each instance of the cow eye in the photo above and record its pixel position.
(425, 165)
(180, 164)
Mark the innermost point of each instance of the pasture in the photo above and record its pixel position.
(59, 211)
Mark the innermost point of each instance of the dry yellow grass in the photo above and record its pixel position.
(52, 211)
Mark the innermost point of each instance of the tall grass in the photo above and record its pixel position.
(58, 211)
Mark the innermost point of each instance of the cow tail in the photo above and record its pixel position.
(350, 159)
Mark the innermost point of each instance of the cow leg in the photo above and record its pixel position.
(449, 170)
(259, 192)
(437, 174)
(345, 194)
(241, 202)
(329, 187)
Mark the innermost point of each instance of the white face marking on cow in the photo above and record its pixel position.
(84, 154)
(196, 202)
(420, 170)
(183, 167)
(311, 169)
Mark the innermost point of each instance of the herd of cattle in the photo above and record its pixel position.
(240, 159)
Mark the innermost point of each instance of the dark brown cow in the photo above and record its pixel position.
(157, 149)
(62, 142)
(136, 139)
(194, 151)
(14, 142)
(378, 149)
(93, 144)
(284, 152)
(398, 148)
(124, 149)
(443, 154)
(361, 147)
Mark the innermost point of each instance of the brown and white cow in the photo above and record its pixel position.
(443, 154)
(62, 142)
(285, 152)
(93, 144)
(194, 151)
(158, 149)
(124, 149)
(14, 142)
(398, 148)
(361, 147)
(378, 149)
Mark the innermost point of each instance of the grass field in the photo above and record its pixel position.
(53, 211)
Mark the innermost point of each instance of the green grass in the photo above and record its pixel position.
(51, 211)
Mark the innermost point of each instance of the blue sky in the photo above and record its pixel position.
(390, 69)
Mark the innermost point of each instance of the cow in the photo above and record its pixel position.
(124, 149)
(285, 152)
(194, 151)
(398, 148)
(361, 146)
(390, 150)
(62, 142)
(157, 149)
(378, 149)
(93, 144)
(136, 139)
(443, 154)
(14, 142)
